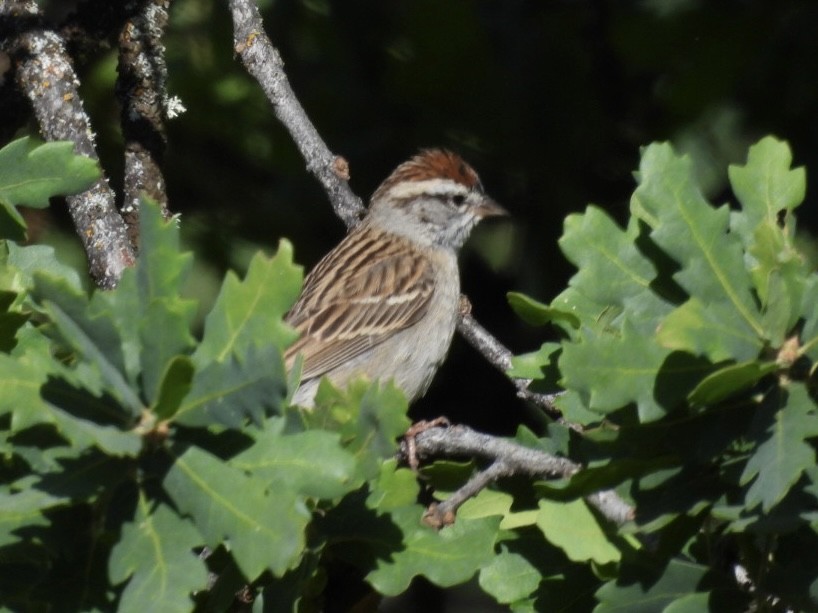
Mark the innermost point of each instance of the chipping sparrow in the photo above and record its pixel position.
(384, 302)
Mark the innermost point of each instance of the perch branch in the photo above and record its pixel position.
(142, 92)
(507, 459)
(264, 63)
(45, 74)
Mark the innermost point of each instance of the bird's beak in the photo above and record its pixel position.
(489, 208)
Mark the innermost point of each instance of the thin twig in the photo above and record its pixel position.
(45, 74)
(499, 356)
(263, 61)
(142, 92)
(508, 458)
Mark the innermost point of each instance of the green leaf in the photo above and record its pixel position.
(369, 416)
(93, 335)
(728, 381)
(165, 336)
(162, 268)
(809, 333)
(531, 365)
(710, 330)
(161, 271)
(394, 488)
(22, 379)
(573, 528)
(509, 577)
(766, 186)
(784, 453)
(312, 463)
(241, 386)
(448, 557)
(612, 272)
(155, 554)
(23, 510)
(639, 595)
(695, 234)
(249, 310)
(31, 172)
(175, 386)
(36, 258)
(536, 313)
(264, 527)
(779, 274)
(615, 370)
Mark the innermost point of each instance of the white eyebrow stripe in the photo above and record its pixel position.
(433, 187)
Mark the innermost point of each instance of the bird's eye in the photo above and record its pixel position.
(459, 199)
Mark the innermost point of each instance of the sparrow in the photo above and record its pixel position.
(384, 302)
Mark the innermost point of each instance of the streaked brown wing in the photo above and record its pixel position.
(369, 287)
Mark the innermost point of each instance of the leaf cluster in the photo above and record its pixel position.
(146, 465)
(688, 355)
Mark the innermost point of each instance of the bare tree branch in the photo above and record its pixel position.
(263, 61)
(507, 459)
(142, 92)
(45, 74)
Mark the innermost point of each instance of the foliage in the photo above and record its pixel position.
(693, 360)
(147, 466)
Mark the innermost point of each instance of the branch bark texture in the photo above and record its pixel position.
(46, 76)
(142, 92)
(507, 459)
(264, 63)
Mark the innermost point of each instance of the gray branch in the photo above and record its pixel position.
(507, 459)
(264, 63)
(142, 91)
(499, 356)
(46, 76)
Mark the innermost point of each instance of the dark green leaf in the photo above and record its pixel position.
(536, 313)
(250, 310)
(615, 370)
(312, 463)
(264, 527)
(448, 557)
(784, 453)
(574, 529)
(155, 554)
(612, 271)
(93, 335)
(695, 234)
(639, 596)
(728, 381)
(711, 330)
(175, 385)
(509, 577)
(227, 392)
(31, 172)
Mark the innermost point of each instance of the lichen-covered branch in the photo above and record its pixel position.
(507, 459)
(142, 92)
(264, 63)
(44, 73)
